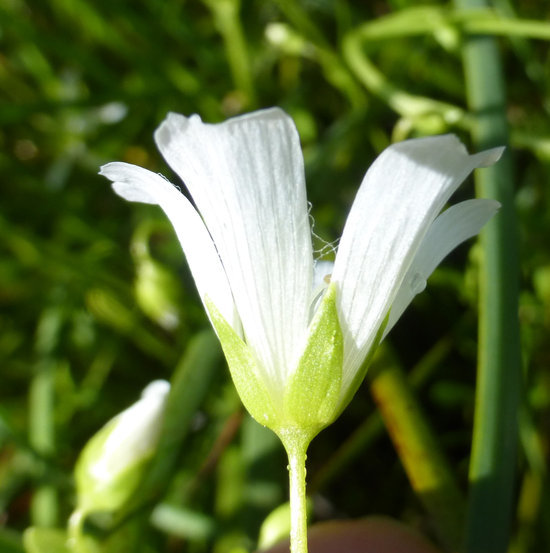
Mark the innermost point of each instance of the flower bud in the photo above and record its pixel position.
(112, 463)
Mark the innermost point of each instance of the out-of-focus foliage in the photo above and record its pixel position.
(96, 299)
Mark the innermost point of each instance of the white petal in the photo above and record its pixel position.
(139, 185)
(246, 177)
(451, 228)
(135, 433)
(400, 196)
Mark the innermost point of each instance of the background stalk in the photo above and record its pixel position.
(493, 457)
(226, 16)
(44, 505)
(372, 428)
(424, 462)
(42, 439)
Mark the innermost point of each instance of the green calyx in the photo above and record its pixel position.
(244, 370)
(361, 373)
(311, 397)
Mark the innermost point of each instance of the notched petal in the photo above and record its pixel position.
(488, 157)
(246, 178)
(452, 227)
(130, 181)
(137, 184)
(400, 197)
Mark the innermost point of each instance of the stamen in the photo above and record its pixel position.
(322, 274)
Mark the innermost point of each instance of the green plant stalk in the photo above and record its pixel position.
(420, 21)
(42, 439)
(193, 378)
(425, 20)
(226, 17)
(493, 458)
(336, 72)
(406, 104)
(509, 27)
(296, 443)
(419, 451)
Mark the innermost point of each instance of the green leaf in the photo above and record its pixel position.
(193, 378)
(312, 394)
(45, 540)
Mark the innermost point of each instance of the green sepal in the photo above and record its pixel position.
(312, 394)
(361, 373)
(244, 370)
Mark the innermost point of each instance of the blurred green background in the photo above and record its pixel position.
(96, 299)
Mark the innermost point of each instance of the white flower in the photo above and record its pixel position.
(248, 243)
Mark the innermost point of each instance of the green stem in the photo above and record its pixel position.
(508, 27)
(493, 458)
(334, 70)
(77, 539)
(424, 462)
(42, 439)
(406, 104)
(74, 531)
(226, 17)
(296, 443)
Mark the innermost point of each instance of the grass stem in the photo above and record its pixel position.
(495, 438)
